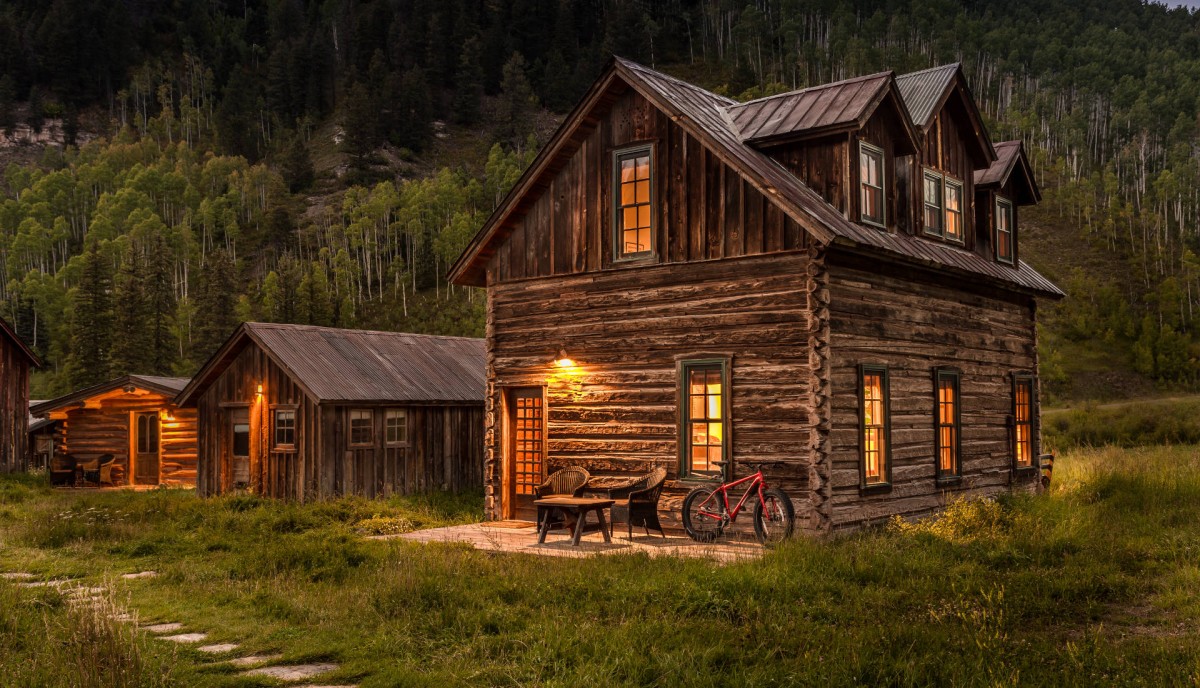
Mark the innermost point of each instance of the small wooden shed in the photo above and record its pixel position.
(16, 358)
(299, 412)
(132, 418)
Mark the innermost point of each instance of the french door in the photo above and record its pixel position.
(526, 450)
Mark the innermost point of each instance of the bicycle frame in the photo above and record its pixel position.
(756, 487)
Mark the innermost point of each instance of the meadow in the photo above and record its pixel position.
(1095, 582)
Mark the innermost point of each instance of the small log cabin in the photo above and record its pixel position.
(16, 359)
(827, 278)
(134, 420)
(299, 412)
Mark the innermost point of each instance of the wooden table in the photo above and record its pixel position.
(574, 511)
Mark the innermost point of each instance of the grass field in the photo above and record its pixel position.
(1095, 583)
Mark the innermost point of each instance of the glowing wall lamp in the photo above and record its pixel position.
(562, 360)
(259, 390)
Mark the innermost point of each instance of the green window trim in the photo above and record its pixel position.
(865, 151)
(947, 423)
(635, 199)
(950, 185)
(874, 433)
(932, 210)
(1024, 422)
(687, 419)
(1004, 208)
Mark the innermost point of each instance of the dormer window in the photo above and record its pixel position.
(871, 183)
(943, 215)
(1004, 230)
(634, 217)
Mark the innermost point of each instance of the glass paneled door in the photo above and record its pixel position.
(146, 458)
(526, 450)
(238, 448)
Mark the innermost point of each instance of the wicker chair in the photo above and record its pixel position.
(62, 471)
(569, 482)
(637, 505)
(104, 475)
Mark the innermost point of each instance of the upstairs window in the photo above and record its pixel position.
(634, 217)
(874, 426)
(1004, 230)
(871, 184)
(954, 210)
(362, 427)
(1022, 421)
(933, 203)
(948, 413)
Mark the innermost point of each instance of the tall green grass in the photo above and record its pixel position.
(1149, 423)
(1091, 584)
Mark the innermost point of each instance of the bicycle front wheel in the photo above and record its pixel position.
(704, 515)
(774, 517)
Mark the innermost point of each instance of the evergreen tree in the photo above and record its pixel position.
(215, 305)
(91, 325)
(517, 101)
(315, 297)
(130, 318)
(159, 295)
(468, 84)
(359, 132)
(8, 96)
(297, 166)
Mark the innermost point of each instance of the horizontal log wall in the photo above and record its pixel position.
(14, 407)
(911, 324)
(103, 427)
(444, 450)
(703, 208)
(617, 410)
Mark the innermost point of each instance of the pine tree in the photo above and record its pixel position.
(359, 133)
(215, 305)
(8, 96)
(315, 296)
(297, 165)
(516, 100)
(159, 294)
(129, 348)
(468, 82)
(91, 326)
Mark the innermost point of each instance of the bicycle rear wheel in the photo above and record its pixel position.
(774, 517)
(704, 515)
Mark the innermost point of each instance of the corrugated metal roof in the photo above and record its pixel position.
(923, 90)
(818, 108)
(363, 366)
(1007, 153)
(166, 386)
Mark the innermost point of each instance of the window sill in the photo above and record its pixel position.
(871, 223)
(875, 488)
(949, 481)
(633, 259)
(1022, 471)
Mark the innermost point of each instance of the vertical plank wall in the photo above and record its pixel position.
(14, 407)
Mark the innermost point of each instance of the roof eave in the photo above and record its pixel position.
(88, 392)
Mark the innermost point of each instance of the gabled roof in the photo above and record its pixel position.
(928, 91)
(166, 386)
(819, 110)
(704, 116)
(358, 366)
(8, 331)
(1010, 157)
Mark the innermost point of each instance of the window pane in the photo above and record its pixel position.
(643, 216)
(628, 194)
(627, 170)
(643, 167)
(643, 191)
(643, 239)
(630, 219)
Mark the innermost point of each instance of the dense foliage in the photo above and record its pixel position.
(1105, 93)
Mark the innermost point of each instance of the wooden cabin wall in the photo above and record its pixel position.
(945, 151)
(822, 164)
(985, 224)
(14, 408)
(881, 130)
(704, 210)
(444, 450)
(617, 411)
(103, 427)
(912, 324)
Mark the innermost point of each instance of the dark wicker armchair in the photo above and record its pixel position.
(62, 471)
(637, 505)
(569, 482)
(99, 471)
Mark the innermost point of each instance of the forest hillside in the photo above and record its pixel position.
(170, 169)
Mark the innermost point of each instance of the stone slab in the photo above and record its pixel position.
(139, 574)
(292, 672)
(218, 648)
(184, 637)
(163, 627)
(254, 660)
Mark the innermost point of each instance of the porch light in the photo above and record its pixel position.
(562, 360)
(259, 390)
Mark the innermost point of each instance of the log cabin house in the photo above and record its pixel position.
(297, 411)
(827, 278)
(16, 359)
(132, 420)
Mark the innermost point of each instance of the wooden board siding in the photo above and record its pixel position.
(945, 151)
(823, 164)
(14, 407)
(102, 426)
(616, 411)
(444, 449)
(985, 223)
(911, 324)
(704, 209)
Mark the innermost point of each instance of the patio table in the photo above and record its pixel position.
(574, 511)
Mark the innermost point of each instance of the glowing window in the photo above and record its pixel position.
(705, 423)
(871, 184)
(634, 209)
(1004, 230)
(948, 440)
(874, 430)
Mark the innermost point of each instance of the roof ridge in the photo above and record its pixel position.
(643, 68)
(818, 87)
(934, 68)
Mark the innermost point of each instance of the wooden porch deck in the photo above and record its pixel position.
(521, 537)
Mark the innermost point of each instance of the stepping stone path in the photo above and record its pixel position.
(163, 628)
(16, 575)
(218, 648)
(184, 637)
(54, 583)
(294, 672)
(253, 660)
(140, 574)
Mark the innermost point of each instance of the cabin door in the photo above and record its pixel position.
(238, 449)
(145, 449)
(526, 450)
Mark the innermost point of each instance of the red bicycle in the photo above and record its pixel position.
(706, 511)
